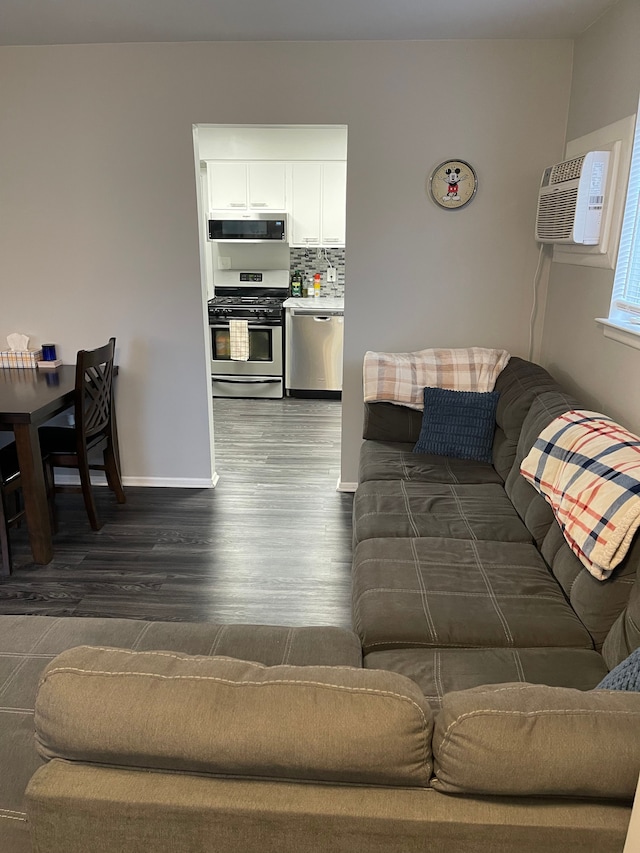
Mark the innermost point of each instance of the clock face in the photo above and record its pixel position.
(453, 184)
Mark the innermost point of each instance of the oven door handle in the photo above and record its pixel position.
(277, 324)
(246, 381)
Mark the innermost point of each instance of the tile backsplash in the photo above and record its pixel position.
(313, 260)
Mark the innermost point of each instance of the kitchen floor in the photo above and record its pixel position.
(270, 544)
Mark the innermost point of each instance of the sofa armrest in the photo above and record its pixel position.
(534, 740)
(223, 716)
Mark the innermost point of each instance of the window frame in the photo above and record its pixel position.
(623, 321)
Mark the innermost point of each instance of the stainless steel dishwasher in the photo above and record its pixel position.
(313, 345)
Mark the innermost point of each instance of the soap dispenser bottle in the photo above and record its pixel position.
(317, 284)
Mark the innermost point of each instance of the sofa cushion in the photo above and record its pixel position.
(223, 716)
(402, 509)
(441, 671)
(41, 638)
(523, 739)
(383, 460)
(458, 423)
(437, 592)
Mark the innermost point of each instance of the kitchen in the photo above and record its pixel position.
(272, 241)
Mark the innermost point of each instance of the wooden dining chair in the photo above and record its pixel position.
(94, 430)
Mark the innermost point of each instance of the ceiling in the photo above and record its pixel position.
(31, 22)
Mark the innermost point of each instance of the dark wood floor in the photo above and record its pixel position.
(270, 544)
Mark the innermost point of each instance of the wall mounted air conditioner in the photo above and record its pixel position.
(571, 200)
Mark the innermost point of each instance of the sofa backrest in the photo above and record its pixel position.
(597, 603)
(530, 505)
(624, 636)
(388, 422)
(518, 384)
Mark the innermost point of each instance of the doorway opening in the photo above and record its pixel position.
(271, 207)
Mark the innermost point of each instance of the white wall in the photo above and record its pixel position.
(99, 230)
(605, 88)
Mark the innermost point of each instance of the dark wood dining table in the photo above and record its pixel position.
(28, 398)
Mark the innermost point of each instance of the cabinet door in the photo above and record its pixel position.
(267, 186)
(306, 183)
(334, 203)
(227, 185)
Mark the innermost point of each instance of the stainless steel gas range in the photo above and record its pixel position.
(249, 362)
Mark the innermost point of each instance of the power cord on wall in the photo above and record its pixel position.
(326, 258)
(534, 306)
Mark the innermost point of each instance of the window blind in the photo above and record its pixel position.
(626, 287)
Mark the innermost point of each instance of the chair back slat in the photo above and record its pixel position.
(94, 390)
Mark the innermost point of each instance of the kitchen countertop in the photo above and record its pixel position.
(315, 303)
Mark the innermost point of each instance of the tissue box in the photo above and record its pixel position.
(20, 358)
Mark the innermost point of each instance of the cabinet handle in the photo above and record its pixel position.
(237, 204)
(332, 240)
(259, 204)
(311, 239)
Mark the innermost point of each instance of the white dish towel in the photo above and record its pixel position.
(239, 340)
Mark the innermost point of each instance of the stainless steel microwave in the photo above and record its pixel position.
(251, 227)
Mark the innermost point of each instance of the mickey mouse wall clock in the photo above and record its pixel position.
(453, 184)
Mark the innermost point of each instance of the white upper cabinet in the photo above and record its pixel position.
(267, 186)
(306, 186)
(227, 185)
(334, 203)
(246, 186)
(319, 194)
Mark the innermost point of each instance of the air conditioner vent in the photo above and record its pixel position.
(571, 200)
(556, 214)
(569, 170)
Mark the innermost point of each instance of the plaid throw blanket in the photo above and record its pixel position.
(400, 377)
(587, 467)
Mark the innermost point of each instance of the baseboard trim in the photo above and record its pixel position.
(98, 479)
(171, 482)
(346, 487)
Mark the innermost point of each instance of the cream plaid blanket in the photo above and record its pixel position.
(400, 377)
(587, 467)
(239, 340)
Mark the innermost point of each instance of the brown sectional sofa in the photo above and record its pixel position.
(461, 718)
(462, 577)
